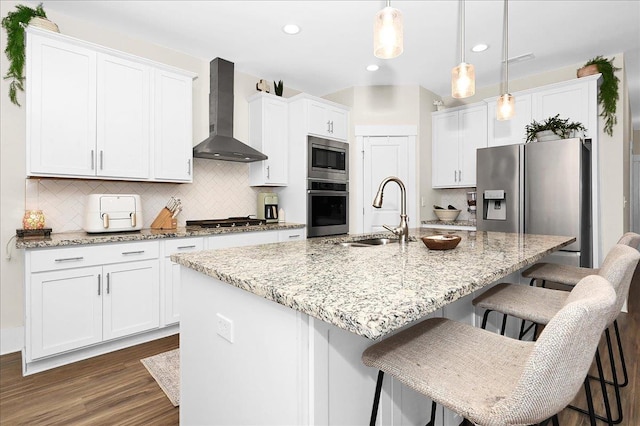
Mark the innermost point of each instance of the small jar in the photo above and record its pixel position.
(33, 219)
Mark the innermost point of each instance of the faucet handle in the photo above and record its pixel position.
(396, 231)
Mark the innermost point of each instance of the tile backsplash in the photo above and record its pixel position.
(457, 197)
(220, 189)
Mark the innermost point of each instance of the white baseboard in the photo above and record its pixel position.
(11, 340)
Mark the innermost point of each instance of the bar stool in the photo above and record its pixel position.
(539, 305)
(490, 379)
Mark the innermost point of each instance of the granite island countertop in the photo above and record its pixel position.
(371, 291)
(80, 237)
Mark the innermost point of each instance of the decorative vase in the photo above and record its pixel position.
(588, 70)
(33, 219)
(546, 135)
(44, 23)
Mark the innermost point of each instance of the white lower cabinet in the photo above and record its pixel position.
(65, 310)
(131, 298)
(172, 281)
(79, 307)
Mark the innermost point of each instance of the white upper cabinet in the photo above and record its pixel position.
(268, 133)
(94, 112)
(172, 130)
(509, 132)
(327, 120)
(61, 108)
(571, 101)
(123, 126)
(457, 134)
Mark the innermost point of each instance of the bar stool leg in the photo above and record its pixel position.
(376, 398)
(587, 391)
(625, 382)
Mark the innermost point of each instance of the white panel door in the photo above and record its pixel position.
(172, 131)
(65, 310)
(318, 120)
(61, 108)
(385, 156)
(131, 298)
(123, 118)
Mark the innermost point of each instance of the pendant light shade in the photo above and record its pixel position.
(388, 33)
(463, 81)
(463, 77)
(506, 105)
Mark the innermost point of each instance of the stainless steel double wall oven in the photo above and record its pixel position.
(327, 187)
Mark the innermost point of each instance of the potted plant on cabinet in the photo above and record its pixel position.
(14, 23)
(608, 93)
(552, 128)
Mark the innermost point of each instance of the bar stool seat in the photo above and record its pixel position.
(557, 273)
(494, 380)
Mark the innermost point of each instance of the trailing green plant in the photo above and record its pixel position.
(14, 23)
(559, 126)
(608, 93)
(278, 87)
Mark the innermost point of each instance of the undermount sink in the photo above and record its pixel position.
(370, 242)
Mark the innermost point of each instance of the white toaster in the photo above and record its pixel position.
(112, 213)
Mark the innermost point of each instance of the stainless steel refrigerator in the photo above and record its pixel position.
(538, 188)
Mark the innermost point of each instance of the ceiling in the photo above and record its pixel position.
(335, 43)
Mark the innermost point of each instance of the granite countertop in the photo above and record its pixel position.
(371, 291)
(81, 237)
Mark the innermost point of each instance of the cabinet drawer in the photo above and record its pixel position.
(75, 257)
(291, 235)
(182, 245)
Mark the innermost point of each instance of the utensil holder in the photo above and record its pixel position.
(164, 220)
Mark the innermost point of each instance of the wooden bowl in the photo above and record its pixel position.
(441, 242)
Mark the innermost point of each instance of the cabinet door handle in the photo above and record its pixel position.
(69, 259)
(127, 253)
(93, 159)
(294, 236)
(108, 282)
(459, 175)
(268, 172)
(99, 285)
(329, 126)
(189, 166)
(101, 159)
(186, 247)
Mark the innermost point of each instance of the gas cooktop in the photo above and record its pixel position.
(225, 223)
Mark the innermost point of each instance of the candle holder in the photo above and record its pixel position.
(33, 219)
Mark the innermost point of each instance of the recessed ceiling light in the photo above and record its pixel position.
(291, 29)
(480, 47)
(372, 67)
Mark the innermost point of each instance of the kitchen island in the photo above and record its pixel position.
(248, 360)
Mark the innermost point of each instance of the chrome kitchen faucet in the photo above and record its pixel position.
(402, 230)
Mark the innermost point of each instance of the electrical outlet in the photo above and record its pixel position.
(225, 328)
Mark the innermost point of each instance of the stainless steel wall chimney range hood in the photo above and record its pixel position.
(221, 145)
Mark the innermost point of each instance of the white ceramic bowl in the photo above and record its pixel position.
(446, 215)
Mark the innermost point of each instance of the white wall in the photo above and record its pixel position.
(220, 189)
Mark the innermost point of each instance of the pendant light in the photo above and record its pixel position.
(387, 33)
(463, 77)
(506, 106)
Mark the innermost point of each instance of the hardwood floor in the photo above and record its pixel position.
(106, 390)
(117, 389)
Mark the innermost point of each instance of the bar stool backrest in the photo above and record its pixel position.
(630, 239)
(618, 268)
(561, 357)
